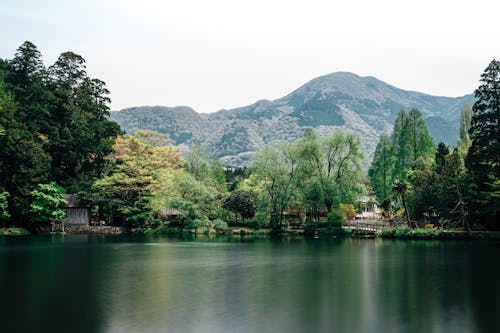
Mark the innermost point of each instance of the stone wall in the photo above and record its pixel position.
(90, 229)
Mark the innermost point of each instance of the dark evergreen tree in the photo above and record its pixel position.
(53, 126)
(442, 151)
(23, 161)
(483, 158)
(242, 202)
(84, 136)
(27, 80)
(381, 170)
(401, 146)
(420, 139)
(401, 188)
(465, 123)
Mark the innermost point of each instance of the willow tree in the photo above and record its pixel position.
(275, 169)
(334, 164)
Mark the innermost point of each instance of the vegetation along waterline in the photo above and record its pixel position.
(64, 162)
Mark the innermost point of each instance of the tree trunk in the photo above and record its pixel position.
(406, 212)
(328, 204)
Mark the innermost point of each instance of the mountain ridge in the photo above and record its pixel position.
(366, 106)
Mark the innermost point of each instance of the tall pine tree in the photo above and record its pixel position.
(483, 158)
(420, 140)
(381, 170)
(401, 147)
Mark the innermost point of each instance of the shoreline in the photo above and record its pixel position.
(389, 233)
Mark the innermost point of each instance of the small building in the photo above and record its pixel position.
(368, 208)
(169, 213)
(77, 212)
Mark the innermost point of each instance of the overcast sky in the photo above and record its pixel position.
(217, 54)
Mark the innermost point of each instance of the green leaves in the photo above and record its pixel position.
(141, 174)
(4, 205)
(53, 125)
(483, 158)
(48, 203)
(381, 172)
(242, 202)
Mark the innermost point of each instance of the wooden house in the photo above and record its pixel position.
(369, 209)
(77, 212)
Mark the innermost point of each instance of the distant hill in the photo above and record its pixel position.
(365, 106)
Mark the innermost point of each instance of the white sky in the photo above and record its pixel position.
(216, 54)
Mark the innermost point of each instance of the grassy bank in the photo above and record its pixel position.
(406, 233)
(14, 231)
(250, 229)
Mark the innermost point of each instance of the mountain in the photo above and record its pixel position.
(365, 106)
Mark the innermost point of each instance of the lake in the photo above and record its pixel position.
(82, 283)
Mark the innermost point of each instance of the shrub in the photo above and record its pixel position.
(349, 210)
(403, 232)
(309, 227)
(261, 218)
(336, 218)
(48, 203)
(219, 225)
(4, 205)
(197, 223)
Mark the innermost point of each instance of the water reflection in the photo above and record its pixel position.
(157, 284)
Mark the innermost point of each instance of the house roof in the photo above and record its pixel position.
(75, 202)
(170, 211)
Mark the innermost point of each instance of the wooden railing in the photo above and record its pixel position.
(365, 227)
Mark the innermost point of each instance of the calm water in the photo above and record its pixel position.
(121, 284)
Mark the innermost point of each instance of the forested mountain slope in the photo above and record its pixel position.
(362, 105)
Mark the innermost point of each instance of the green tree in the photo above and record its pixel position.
(401, 188)
(442, 151)
(54, 126)
(422, 198)
(451, 190)
(141, 177)
(276, 172)
(483, 158)
(381, 170)
(83, 137)
(23, 161)
(48, 203)
(197, 201)
(420, 139)
(217, 173)
(4, 205)
(242, 202)
(27, 79)
(197, 162)
(333, 163)
(343, 167)
(153, 138)
(401, 146)
(465, 124)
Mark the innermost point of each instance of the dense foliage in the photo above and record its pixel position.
(454, 188)
(310, 176)
(483, 158)
(49, 201)
(56, 139)
(54, 126)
